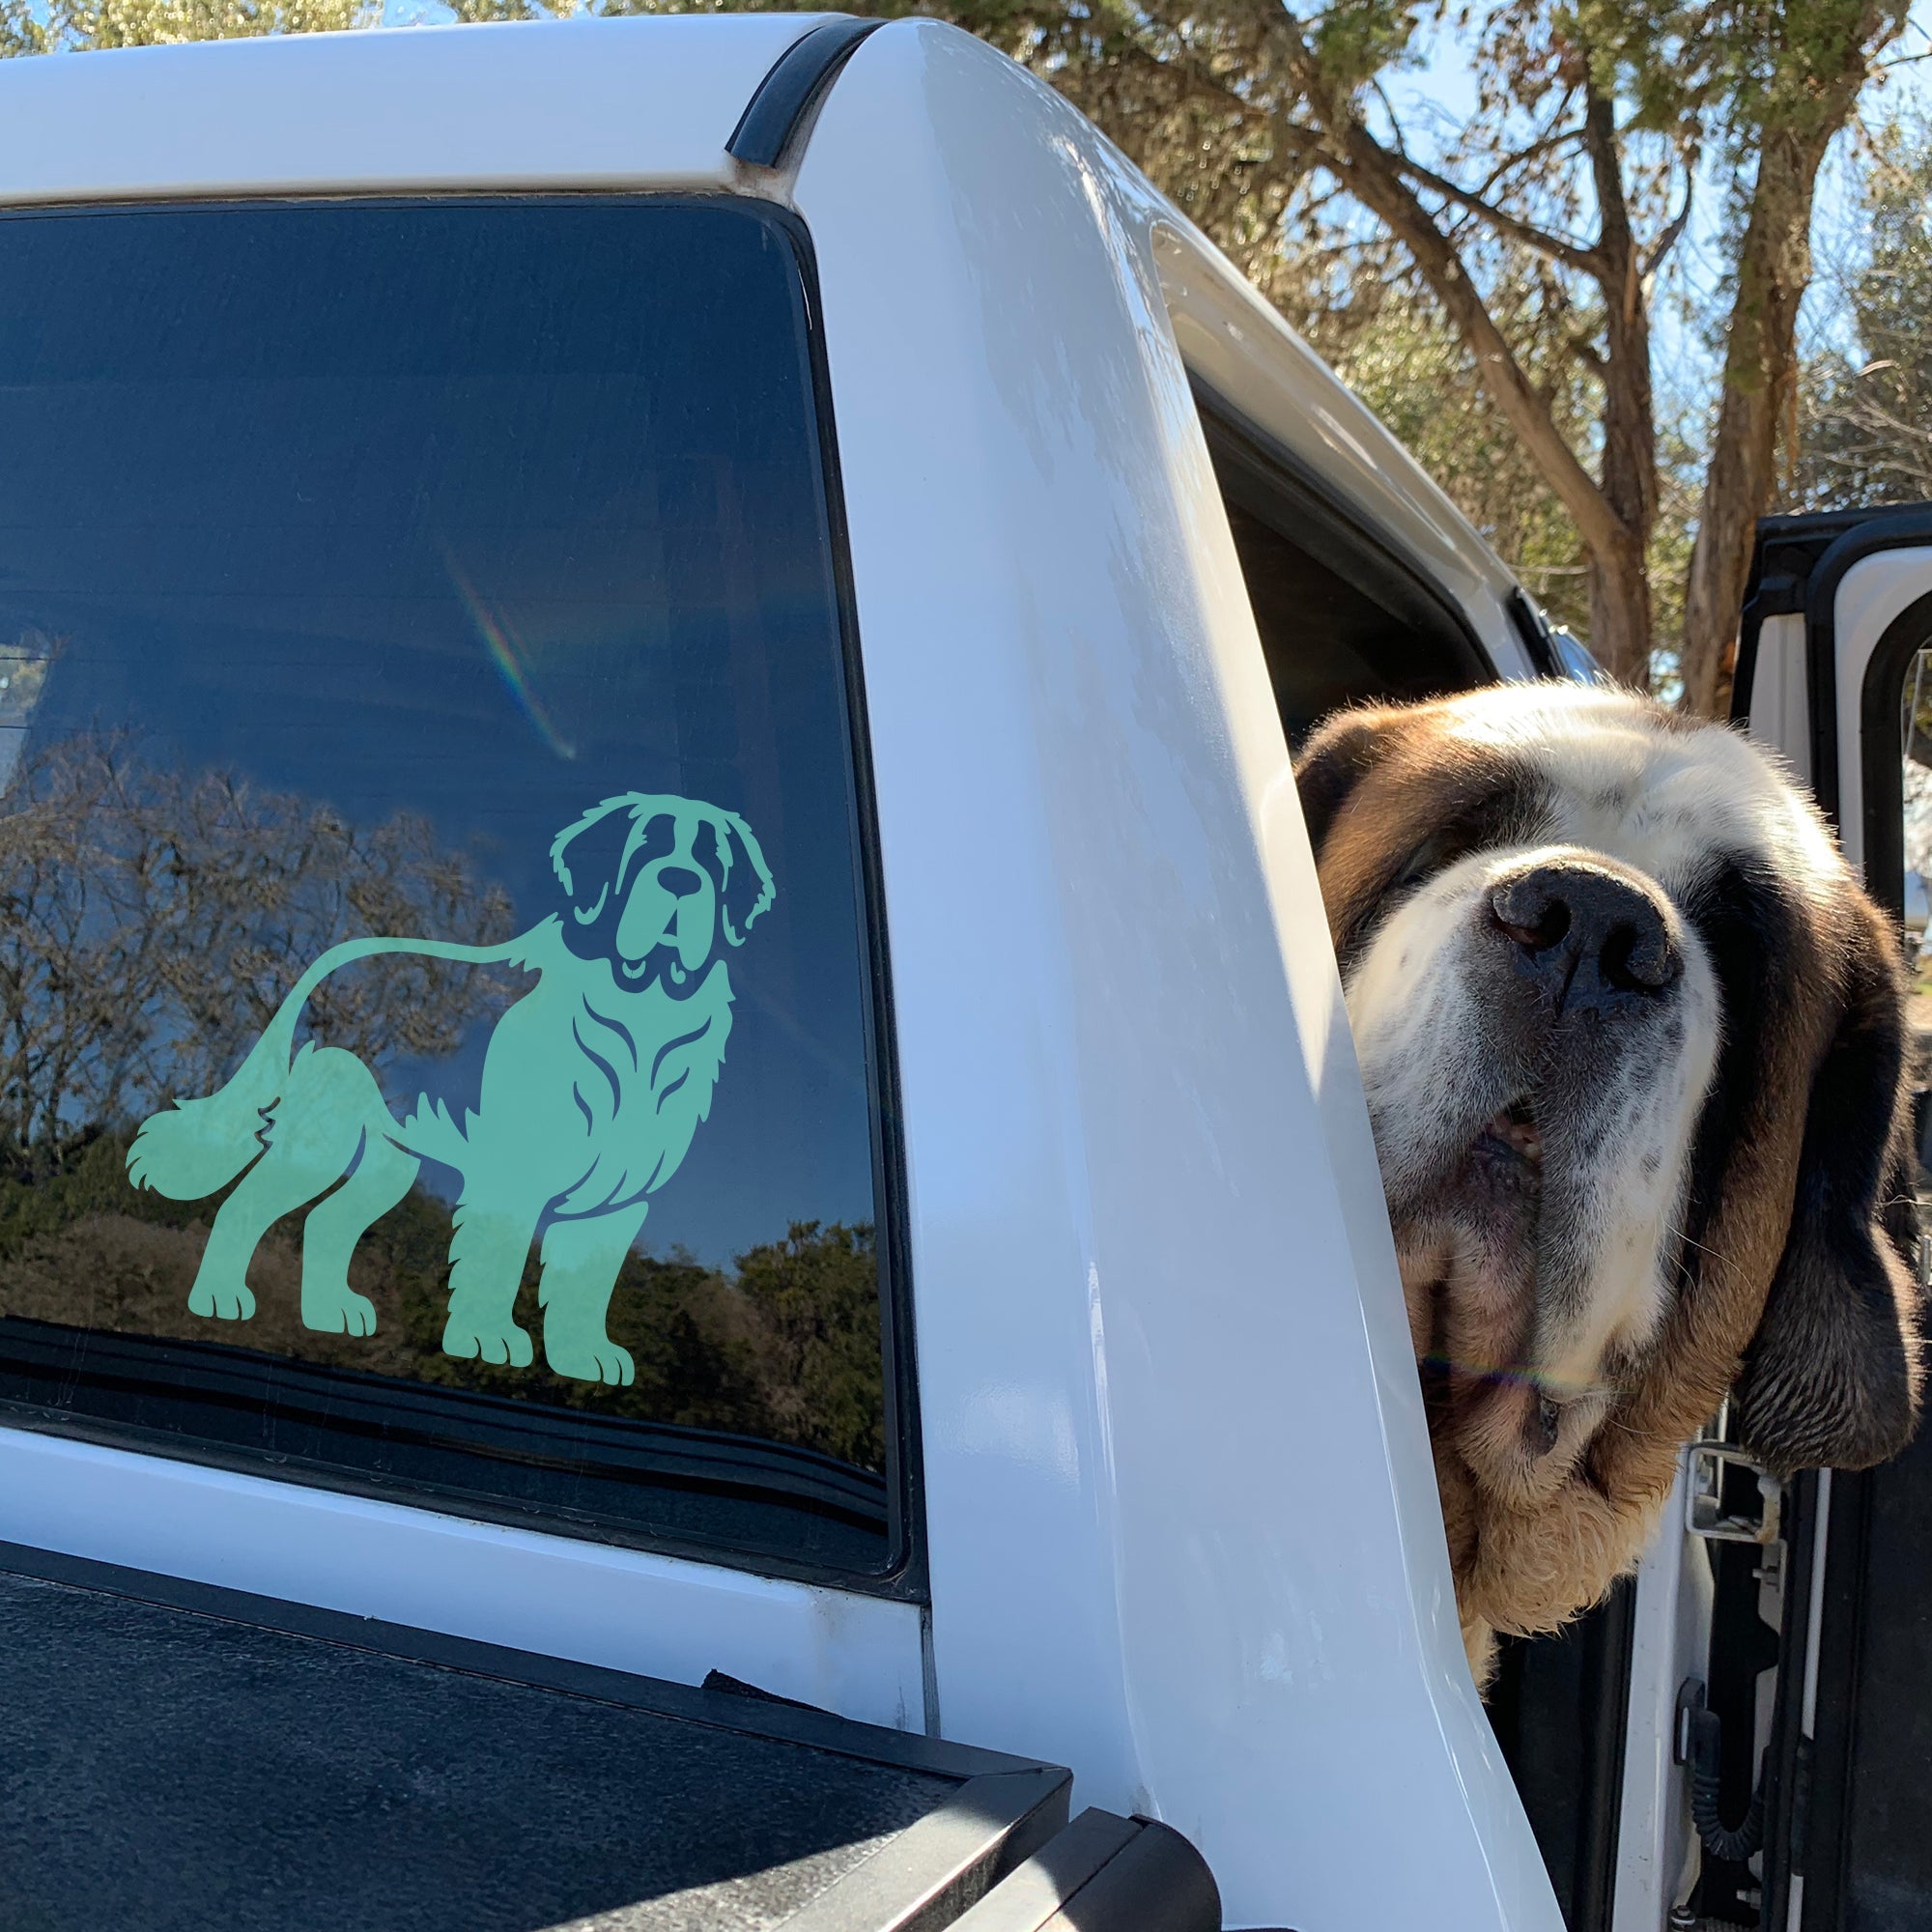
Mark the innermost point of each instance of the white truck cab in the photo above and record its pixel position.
(755, 524)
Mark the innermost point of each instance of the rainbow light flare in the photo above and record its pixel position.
(505, 653)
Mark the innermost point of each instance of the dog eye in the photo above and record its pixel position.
(1425, 858)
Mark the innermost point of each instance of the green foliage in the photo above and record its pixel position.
(1719, 73)
(1357, 40)
(817, 1294)
(1243, 113)
(151, 921)
(1593, 117)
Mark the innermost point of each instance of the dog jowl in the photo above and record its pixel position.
(594, 1084)
(1634, 1044)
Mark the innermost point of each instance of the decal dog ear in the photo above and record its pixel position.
(587, 854)
(745, 886)
(1832, 1380)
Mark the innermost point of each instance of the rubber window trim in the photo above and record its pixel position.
(800, 79)
(1888, 530)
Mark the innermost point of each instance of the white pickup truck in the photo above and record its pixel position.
(768, 527)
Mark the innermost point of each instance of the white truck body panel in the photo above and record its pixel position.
(1180, 1507)
(1657, 1841)
(493, 1582)
(572, 105)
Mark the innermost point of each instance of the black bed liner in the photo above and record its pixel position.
(175, 1758)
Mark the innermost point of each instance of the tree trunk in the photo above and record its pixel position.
(1760, 373)
(1761, 357)
(1620, 633)
(1612, 516)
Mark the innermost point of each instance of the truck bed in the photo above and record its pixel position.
(175, 1756)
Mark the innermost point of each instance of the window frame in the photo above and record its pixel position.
(903, 1574)
(1229, 433)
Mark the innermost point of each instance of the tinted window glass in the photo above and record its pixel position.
(425, 747)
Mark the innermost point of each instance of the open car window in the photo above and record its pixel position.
(1343, 620)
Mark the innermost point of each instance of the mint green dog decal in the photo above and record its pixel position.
(594, 1083)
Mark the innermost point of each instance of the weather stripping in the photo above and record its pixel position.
(787, 95)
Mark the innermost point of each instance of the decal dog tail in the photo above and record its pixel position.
(198, 1145)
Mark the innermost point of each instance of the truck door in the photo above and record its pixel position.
(1835, 669)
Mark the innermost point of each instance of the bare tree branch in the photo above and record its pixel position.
(1555, 247)
(1660, 248)
(139, 903)
(1535, 151)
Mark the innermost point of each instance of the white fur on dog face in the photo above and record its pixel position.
(1437, 1071)
(1662, 798)
(1563, 1289)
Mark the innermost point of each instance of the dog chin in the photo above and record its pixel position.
(663, 966)
(1470, 1247)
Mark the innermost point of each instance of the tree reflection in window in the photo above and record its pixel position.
(150, 923)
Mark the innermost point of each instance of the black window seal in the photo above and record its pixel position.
(1812, 1785)
(1902, 530)
(1798, 565)
(801, 77)
(1784, 554)
(904, 1576)
(1883, 810)
(1532, 630)
(1381, 562)
(905, 1496)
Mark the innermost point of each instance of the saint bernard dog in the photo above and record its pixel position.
(1634, 1047)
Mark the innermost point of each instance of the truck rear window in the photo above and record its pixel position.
(440, 1048)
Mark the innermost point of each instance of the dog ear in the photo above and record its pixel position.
(1831, 1379)
(1340, 752)
(586, 855)
(746, 888)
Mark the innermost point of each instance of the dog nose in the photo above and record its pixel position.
(1587, 938)
(679, 882)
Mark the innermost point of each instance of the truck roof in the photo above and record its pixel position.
(585, 103)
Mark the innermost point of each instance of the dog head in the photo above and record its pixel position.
(1634, 1044)
(655, 882)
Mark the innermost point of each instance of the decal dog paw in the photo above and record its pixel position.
(594, 1085)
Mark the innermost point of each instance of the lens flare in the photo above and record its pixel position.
(507, 655)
